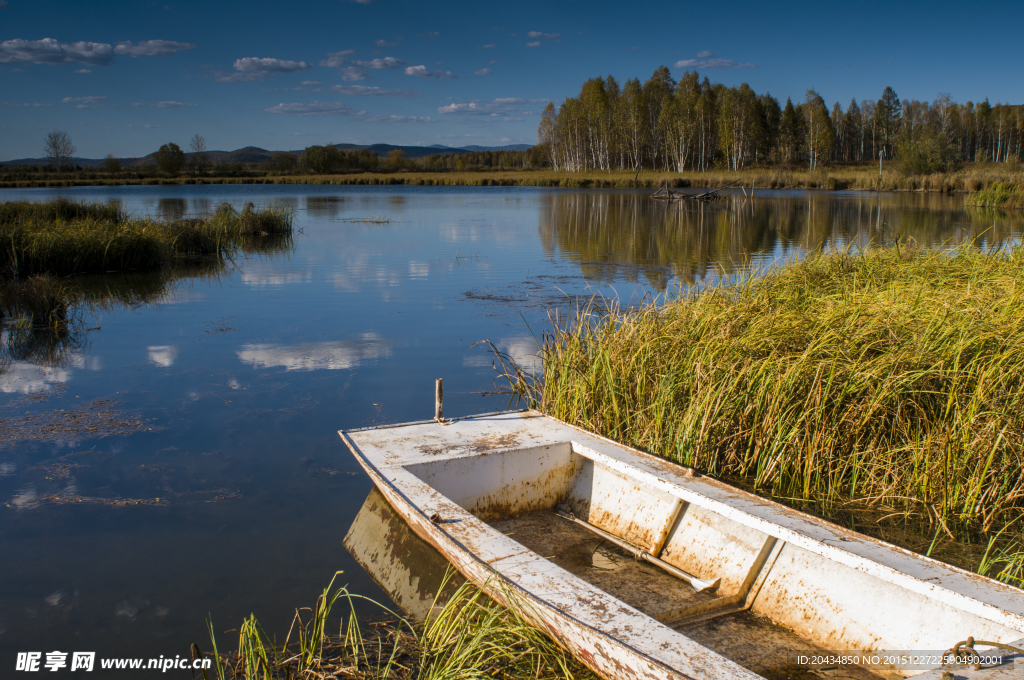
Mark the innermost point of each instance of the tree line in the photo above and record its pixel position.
(694, 124)
(328, 159)
(171, 160)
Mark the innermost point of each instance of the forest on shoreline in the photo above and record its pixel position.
(694, 124)
(674, 132)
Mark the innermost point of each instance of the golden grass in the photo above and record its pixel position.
(468, 637)
(888, 379)
(61, 237)
(972, 177)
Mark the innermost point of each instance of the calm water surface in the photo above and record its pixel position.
(237, 379)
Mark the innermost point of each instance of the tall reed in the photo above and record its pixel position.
(468, 636)
(62, 237)
(890, 378)
(999, 195)
(60, 209)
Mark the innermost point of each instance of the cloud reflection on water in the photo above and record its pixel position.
(341, 354)
(163, 355)
(25, 378)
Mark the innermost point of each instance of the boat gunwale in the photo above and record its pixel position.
(871, 565)
(434, 532)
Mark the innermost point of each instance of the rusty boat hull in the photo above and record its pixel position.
(646, 569)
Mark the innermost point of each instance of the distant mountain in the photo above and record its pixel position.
(421, 151)
(254, 154)
(509, 147)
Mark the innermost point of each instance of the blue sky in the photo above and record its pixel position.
(126, 77)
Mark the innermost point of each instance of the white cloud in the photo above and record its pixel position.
(26, 499)
(488, 47)
(504, 106)
(310, 83)
(163, 355)
(363, 90)
(28, 104)
(314, 109)
(50, 51)
(707, 60)
(270, 65)
(343, 354)
(432, 34)
(385, 43)
(533, 44)
(84, 70)
(25, 378)
(483, 72)
(546, 36)
(151, 48)
(422, 71)
(337, 59)
(147, 126)
(399, 119)
(250, 69)
(165, 105)
(387, 63)
(262, 274)
(524, 351)
(84, 102)
(351, 73)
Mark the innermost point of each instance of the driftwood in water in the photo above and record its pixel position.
(666, 194)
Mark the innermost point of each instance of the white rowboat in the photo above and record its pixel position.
(645, 569)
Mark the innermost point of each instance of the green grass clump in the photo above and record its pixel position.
(43, 246)
(887, 378)
(41, 301)
(999, 195)
(60, 209)
(39, 245)
(62, 237)
(468, 637)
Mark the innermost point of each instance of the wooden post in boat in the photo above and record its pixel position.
(438, 399)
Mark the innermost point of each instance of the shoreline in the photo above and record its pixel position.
(825, 385)
(841, 179)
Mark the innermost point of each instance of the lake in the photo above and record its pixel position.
(221, 487)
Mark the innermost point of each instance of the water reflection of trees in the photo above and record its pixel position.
(173, 208)
(626, 236)
(324, 207)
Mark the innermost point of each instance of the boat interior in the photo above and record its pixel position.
(753, 581)
(751, 596)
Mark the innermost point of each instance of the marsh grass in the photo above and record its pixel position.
(60, 209)
(41, 244)
(40, 301)
(971, 177)
(1004, 562)
(61, 259)
(468, 636)
(62, 237)
(999, 195)
(888, 379)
